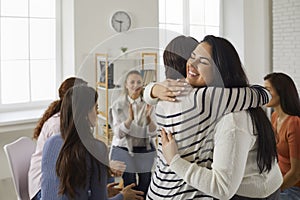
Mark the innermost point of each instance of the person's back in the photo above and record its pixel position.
(192, 119)
(94, 188)
(50, 127)
(235, 142)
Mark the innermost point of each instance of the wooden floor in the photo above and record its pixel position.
(7, 191)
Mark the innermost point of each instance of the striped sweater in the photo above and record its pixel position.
(192, 119)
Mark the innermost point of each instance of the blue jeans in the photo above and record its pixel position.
(38, 196)
(291, 193)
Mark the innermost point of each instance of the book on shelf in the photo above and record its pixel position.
(148, 76)
(102, 78)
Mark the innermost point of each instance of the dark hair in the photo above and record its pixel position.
(54, 107)
(176, 54)
(287, 92)
(72, 159)
(229, 66)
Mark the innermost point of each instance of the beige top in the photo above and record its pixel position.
(50, 127)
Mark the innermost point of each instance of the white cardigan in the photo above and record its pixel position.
(234, 168)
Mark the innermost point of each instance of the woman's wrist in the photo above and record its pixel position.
(175, 157)
(148, 120)
(127, 123)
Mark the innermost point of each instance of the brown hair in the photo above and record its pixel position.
(73, 156)
(54, 107)
(176, 54)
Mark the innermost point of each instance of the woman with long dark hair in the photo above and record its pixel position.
(244, 155)
(48, 125)
(192, 117)
(74, 164)
(286, 123)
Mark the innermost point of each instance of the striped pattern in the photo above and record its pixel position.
(192, 120)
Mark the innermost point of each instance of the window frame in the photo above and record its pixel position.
(33, 105)
(186, 20)
(163, 32)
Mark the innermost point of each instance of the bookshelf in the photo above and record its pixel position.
(148, 72)
(109, 76)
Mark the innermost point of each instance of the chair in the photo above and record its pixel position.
(18, 154)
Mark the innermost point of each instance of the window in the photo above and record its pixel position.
(195, 18)
(28, 60)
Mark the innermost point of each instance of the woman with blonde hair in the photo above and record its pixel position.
(134, 125)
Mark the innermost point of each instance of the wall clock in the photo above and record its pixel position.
(120, 21)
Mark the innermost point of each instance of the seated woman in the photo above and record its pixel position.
(133, 123)
(47, 126)
(286, 123)
(74, 164)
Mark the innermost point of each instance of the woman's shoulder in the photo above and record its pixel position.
(294, 121)
(51, 126)
(241, 120)
(55, 139)
(236, 115)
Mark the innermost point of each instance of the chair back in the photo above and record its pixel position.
(18, 154)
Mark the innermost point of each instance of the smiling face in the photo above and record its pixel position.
(275, 101)
(199, 66)
(134, 85)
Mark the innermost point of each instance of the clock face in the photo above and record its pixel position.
(120, 21)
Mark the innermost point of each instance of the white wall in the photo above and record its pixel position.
(92, 22)
(233, 24)
(286, 38)
(247, 24)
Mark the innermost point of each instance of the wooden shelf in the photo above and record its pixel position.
(103, 62)
(115, 88)
(101, 115)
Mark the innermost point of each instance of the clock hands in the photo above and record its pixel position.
(120, 22)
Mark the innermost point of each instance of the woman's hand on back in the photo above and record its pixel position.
(169, 89)
(169, 146)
